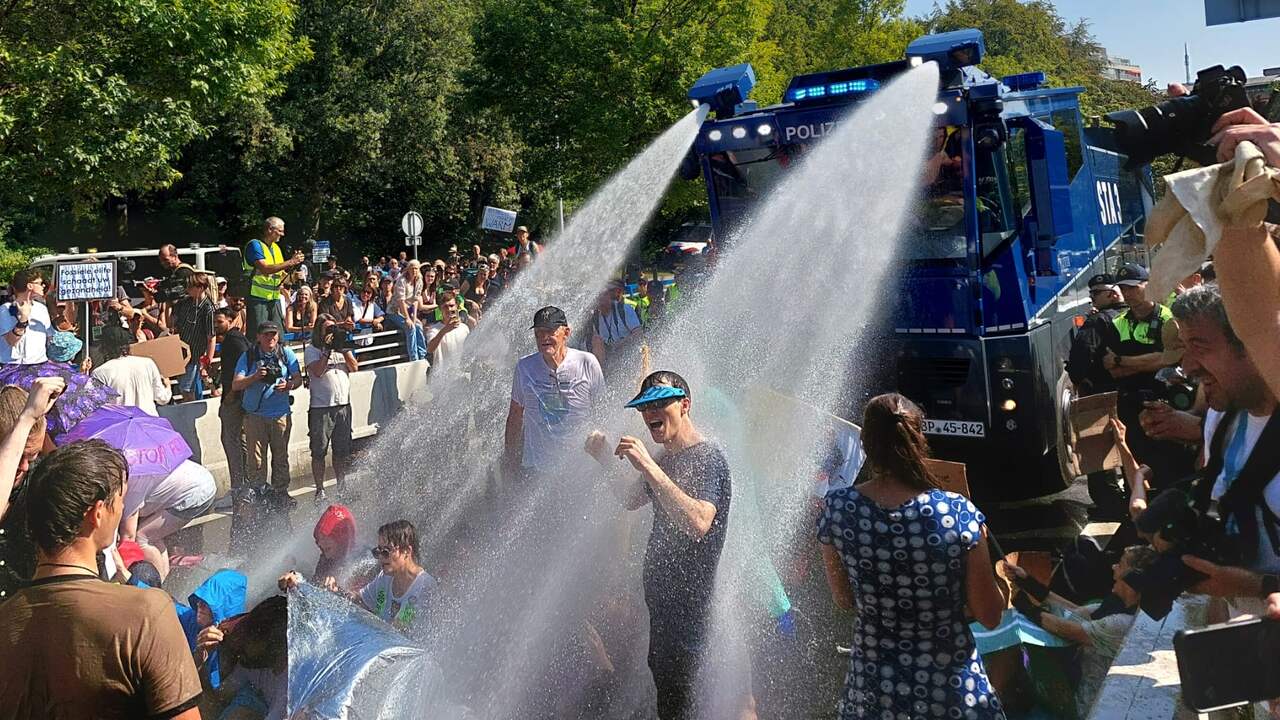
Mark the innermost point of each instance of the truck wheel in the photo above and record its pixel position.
(1067, 465)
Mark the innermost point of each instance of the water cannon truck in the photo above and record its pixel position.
(1021, 203)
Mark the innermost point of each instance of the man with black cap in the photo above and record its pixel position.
(553, 393)
(690, 488)
(1144, 342)
(1084, 366)
(265, 375)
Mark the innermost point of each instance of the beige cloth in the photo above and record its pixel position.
(1199, 203)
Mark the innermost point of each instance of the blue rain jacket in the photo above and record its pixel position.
(224, 593)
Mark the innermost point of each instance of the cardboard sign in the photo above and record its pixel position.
(1093, 441)
(498, 220)
(86, 280)
(169, 352)
(951, 476)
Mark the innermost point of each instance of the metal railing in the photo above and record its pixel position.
(389, 347)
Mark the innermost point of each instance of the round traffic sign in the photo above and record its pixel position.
(411, 224)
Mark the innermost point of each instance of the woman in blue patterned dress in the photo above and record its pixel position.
(910, 558)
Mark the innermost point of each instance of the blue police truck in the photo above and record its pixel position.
(1021, 202)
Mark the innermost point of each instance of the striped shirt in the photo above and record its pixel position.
(194, 324)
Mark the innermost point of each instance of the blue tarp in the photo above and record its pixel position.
(346, 663)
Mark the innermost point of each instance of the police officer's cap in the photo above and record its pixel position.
(1132, 274)
(1101, 280)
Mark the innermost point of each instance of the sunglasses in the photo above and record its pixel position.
(382, 552)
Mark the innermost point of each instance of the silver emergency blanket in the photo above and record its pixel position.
(345, 663)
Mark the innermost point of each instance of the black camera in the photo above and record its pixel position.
(1176, 389)
(1181, 125)
(337, 340)
(273, 371)
(1190, 531)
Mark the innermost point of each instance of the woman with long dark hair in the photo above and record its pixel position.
(911, 558)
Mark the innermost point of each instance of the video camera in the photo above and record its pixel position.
(1181, 125)
(1176, 389)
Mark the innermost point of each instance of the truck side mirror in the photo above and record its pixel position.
(1050, 185)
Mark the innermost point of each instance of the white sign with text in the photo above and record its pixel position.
(87, 280)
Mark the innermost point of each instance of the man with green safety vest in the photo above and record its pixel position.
(1145, 341)
(265, 264)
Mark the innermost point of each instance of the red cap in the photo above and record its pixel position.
(337, 523)
(130, 552)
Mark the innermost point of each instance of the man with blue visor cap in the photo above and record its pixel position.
(690, 489)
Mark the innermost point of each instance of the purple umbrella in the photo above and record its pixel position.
(82, 396)
(150, 444)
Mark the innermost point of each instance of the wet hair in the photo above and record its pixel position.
(401, 534)
(66, 484)
(668, 378)
(1205, 302)
(893, 439)
(1139, 557)
(147, 573)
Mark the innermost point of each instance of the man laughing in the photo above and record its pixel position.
(690, 490)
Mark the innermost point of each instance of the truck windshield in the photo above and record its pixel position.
(936, 229)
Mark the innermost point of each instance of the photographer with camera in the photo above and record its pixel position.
(329, 358)
(266, 267)
(1227, 514)
(173, 286)
(265, 375)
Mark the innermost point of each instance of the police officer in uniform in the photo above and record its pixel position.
(1085, 368)
(1145, 341)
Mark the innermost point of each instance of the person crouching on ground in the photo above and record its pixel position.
(1098, 628)
(689, 486)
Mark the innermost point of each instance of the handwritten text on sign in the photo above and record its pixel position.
(498, 220)
(87, 280)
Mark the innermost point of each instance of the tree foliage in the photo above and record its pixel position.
(339, 115)
(98, 98)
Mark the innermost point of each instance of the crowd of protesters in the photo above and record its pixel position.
(87, 631)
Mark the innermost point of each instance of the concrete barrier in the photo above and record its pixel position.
(376, 396)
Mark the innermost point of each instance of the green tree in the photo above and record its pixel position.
(373, 124)
(98, 98)
(1029, 36)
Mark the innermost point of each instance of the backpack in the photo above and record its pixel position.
(240, 281)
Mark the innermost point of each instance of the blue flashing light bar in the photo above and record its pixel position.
(829, 90)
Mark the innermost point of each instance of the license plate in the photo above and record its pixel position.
(958, 428)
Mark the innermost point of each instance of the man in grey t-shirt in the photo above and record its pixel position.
(553, 393)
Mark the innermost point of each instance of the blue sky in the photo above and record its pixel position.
(1151, 33)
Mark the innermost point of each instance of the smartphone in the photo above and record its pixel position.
(1223, 666)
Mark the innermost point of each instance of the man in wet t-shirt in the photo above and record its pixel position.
(690, 489)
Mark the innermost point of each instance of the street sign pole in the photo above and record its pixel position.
(412, 226)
